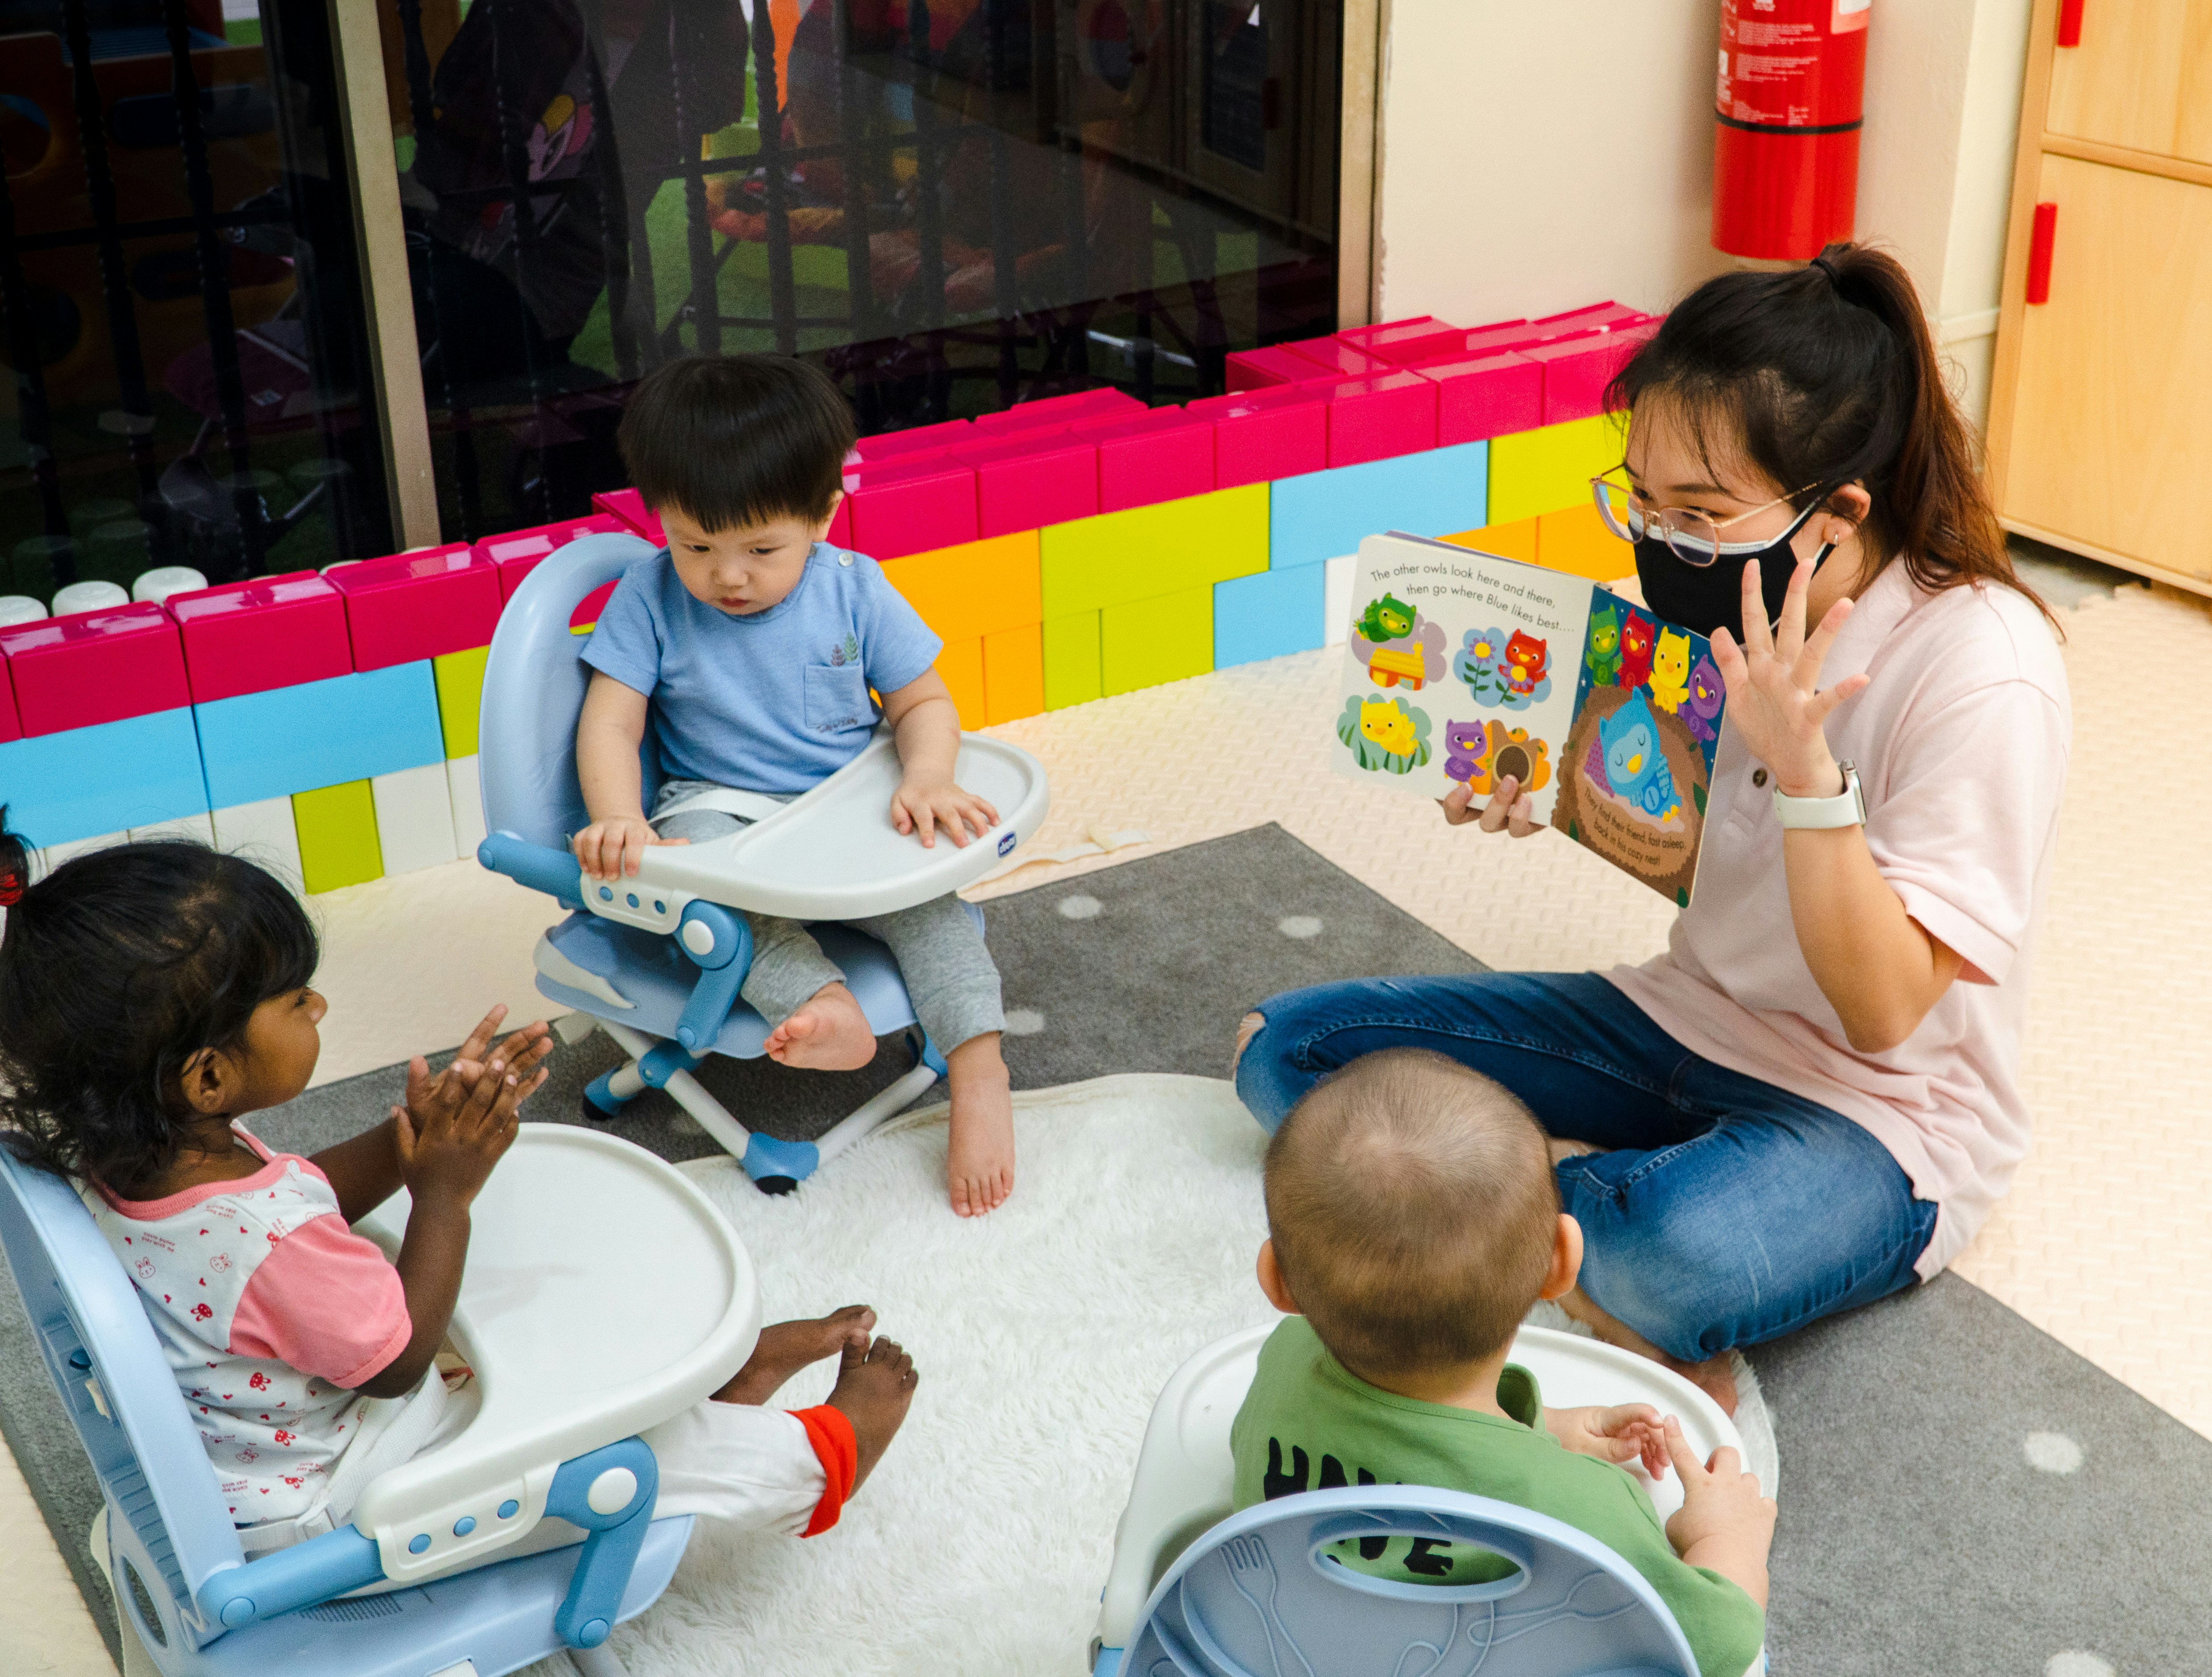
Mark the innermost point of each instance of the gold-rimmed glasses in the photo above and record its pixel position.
(1694, 537)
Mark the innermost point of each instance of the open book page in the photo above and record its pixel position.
(1459, 668)
(1638, 760)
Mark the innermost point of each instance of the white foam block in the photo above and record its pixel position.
(199, 827)
(262, 831)
(414, 818)
(1336, 600)
(466, 792)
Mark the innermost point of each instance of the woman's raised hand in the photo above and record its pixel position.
(1509, 808)
(1775, 702)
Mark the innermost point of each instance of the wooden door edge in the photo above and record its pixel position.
(2012, 298)
(2089, 550)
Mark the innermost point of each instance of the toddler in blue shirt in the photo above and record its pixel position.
(749, 647)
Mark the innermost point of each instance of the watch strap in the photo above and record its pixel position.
(1846, 808)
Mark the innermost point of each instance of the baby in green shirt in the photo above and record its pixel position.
(1414, 1219)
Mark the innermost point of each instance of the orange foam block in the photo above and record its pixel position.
(1517, 541)
(1013, 673)
(961, 664)
(974, 588)
(1577, 542)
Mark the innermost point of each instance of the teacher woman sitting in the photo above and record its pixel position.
(1813, 1096)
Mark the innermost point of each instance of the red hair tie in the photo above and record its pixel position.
(11, 889)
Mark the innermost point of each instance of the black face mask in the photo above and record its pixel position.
(1704, 598)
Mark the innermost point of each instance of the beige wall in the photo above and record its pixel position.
(1539, 156)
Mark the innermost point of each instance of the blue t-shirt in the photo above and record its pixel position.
(776, 701)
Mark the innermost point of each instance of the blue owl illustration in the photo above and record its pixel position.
(1634, 763)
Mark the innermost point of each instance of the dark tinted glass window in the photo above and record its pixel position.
(180, 295)
(953, 205)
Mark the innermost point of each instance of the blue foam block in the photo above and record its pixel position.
(1266, 616)
(320, 734)
(1325, 515)
(85, 782)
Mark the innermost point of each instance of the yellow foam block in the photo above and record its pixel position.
(458, 677)
(1071, 660)
(337, 826)
(978, 588)
(1550, 467)
(1013, 673)
(1148, 642)
(961, 664)
(1142, 553)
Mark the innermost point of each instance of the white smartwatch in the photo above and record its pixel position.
(1846, 808)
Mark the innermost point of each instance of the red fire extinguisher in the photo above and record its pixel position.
(1786, 154)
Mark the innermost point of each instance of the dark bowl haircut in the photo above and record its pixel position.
(738, 440)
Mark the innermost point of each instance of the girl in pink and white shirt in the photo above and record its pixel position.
(151, 996)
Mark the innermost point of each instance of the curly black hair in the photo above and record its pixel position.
(115, 970)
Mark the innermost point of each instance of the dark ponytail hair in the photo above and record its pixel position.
(115, 970)
(1826, 375)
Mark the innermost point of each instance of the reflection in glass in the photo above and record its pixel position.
(957, 204)
(179, 296)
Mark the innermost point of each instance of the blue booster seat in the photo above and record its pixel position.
(656, 961)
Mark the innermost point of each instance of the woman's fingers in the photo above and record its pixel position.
(1815, 653)
(1455, 804)
(1499, 809)
(1818, 706)
(1734, 671)
(1758, 638)
(1790, 639)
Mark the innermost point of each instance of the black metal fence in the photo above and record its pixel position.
(950, 205)
(180, 295)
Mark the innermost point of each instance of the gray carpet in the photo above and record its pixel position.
(1915, 1537)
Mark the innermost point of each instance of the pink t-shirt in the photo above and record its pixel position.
(1960, 740)
(269, 1310)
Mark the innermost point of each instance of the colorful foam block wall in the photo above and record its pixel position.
(1065, 550)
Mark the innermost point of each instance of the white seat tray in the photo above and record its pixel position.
(832, 853)
(1185, 1478)
(603, 1294)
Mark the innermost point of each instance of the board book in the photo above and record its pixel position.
(1465, 667)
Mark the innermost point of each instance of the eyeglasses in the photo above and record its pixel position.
(1693, 536)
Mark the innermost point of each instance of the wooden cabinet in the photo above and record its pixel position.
(2101, 417)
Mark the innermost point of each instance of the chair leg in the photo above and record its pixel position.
(886, 1103)
(600, 1661)
(712, 1115)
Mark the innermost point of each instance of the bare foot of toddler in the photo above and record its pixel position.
(875, 1384)
(785, 1348)
(979, 1159)
(830, 1033)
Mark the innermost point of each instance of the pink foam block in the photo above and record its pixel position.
(1578, 369)
(95, 667)
(1494, 339)
(1257, 370)
(1054, 412)
(1025, 483)
(628, 505)
(11, 725)
(1486, 395)
(1411, 345)
(910, 504)
(1597, 317)
(1366, 337)
(417, 606)
(1261, 435)
(1379, 418)
(1333, 355)
(518, 552)
(275, 631)
(922, 440)
(1164, 456)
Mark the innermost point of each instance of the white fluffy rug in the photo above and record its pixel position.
(1043, 1333)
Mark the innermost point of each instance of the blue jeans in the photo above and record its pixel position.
(1728, 1212)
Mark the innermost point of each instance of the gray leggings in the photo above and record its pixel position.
(940, 954)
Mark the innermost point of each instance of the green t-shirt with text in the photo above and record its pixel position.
(1308, 1424)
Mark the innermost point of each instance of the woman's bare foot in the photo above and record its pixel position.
(785, 1348)
(979, 1158)
(830, 1033)
(875, 1383)
(1714, 1376)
